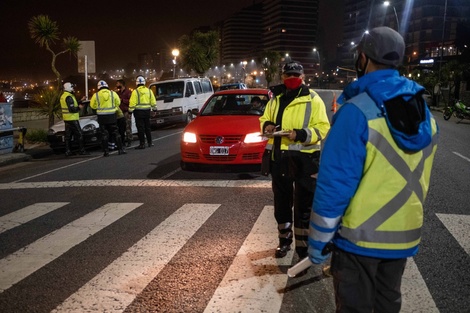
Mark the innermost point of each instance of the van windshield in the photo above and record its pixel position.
(164, 91)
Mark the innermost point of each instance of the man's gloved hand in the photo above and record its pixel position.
(316, 256)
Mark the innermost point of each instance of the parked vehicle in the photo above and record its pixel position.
(177, 98)
(226, 132)
(233, 86)
(458, 109)
(90, 128)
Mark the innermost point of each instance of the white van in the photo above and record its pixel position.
(177, 98)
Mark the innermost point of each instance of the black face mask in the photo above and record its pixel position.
(359, 71)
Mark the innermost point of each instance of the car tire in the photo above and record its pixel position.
(189, 117)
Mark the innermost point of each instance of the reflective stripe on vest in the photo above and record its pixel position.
(367, 233)
(143, 106)
(105, 111)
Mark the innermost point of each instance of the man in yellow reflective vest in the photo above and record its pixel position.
(373, 179)
(106, 103)
(71, 117)
(295, 119)
(141, 102)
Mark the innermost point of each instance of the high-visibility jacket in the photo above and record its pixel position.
(142, 98)
(393, 220)
(305, 112)
(374, 177)
(66, 114)
(105, 102)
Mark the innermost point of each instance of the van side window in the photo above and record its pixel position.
(198, 87)
(189, 88)
(206, 86)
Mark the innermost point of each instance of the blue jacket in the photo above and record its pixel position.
(344, 153)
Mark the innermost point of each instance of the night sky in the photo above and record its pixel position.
(121, 30)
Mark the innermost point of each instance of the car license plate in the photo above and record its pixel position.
(218, 150)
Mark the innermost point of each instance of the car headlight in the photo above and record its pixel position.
(189, 137)
(254, 138)
(89, 127)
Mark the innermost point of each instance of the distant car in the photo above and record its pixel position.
(233, 86)
(90, 128)
(226, 131)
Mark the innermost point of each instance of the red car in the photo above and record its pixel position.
(226, 131)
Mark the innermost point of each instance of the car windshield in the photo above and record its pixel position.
(168, 90)
(235, 105)
(86, 110)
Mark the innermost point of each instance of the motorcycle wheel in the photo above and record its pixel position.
(447, 113)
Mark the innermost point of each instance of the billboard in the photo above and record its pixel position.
(87, 48)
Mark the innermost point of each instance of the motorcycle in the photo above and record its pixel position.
(457, 109)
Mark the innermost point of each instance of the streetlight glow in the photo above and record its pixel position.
(175, 53)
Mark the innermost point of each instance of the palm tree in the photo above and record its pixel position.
(199, 51)
(48, 101)
(270, 61)
(45, 32)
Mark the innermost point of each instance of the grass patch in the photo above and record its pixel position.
(36, 135)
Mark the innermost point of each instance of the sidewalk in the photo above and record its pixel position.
(31, 151)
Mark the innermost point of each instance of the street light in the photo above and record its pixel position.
(319, 64)
(387, 3)
(175, 53)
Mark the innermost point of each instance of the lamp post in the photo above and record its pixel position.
(387, 3)
(244, 71)
(319, 64)
(175, 53)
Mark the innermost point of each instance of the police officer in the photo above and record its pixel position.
(70, 115)
(106, 103)
(292, 158)
(373, 179)
(141, 102)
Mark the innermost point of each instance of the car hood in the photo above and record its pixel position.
(60, 126)
(221, 125)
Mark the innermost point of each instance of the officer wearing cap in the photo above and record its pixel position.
(298, 115)
(71, 115)
(373, 179)
(106, 103)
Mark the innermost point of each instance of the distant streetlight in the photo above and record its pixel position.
(175, 53)
(387, 3)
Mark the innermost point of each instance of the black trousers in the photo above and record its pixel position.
(73, 128)
(364, 284)
(109, 129)
(142, 122)
(293, 188)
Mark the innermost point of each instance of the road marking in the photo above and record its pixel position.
(463, 157)
(84, 161)
(254, 278)
(117, 285)
(139, 182)
(29, 259)
(459, 227)
(27, 214)
(415, 294)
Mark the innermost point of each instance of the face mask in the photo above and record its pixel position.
(359, 71)
(293, 82)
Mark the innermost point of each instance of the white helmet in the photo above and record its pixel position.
(140, 80)
(68, 87)
(102, 84)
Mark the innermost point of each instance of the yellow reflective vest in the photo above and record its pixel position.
(306, 112)
(392, 221)
(105, 102)
(66, 114)
(142, 98)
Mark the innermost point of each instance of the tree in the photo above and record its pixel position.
(45, 32)
(270, 60)
(48, 103)
(199, 51)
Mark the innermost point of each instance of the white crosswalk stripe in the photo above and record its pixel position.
(26, 261)
(252, 283)
(110, 291)
(27, 214)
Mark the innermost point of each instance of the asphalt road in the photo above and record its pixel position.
(134, 233)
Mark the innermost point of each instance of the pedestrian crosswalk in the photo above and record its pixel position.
(254, 282)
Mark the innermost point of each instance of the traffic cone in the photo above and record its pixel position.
(334, 105)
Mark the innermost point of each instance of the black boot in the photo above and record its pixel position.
(281, 250)
(122, 151)
(69, 153)
(141, 146)
(285, 239)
